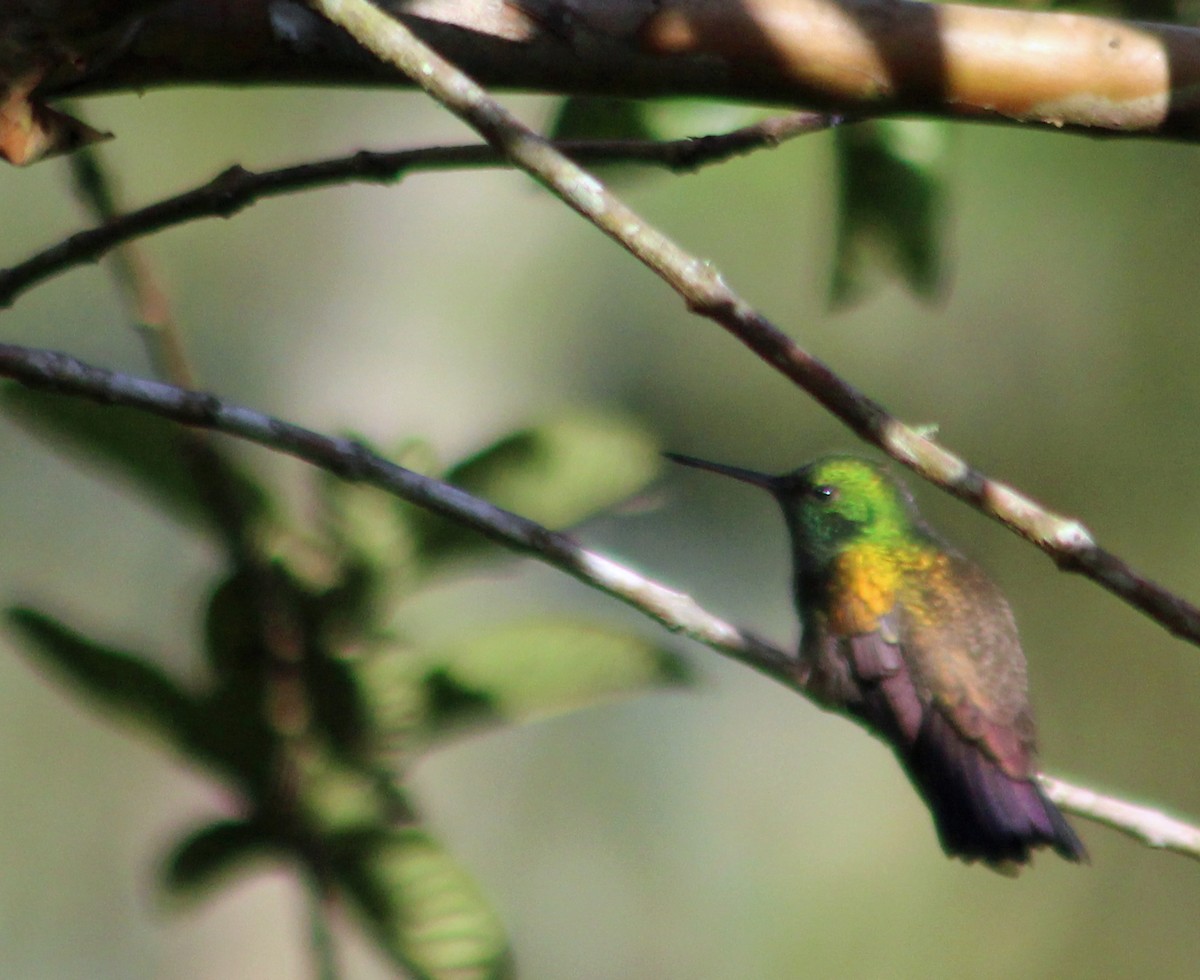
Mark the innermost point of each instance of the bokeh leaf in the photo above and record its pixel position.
(362, 520)
(232, 625)
(141, 448)
(556, 474)
(892, 206)
(606, 118)
(209, 854)
(514, 673)
(421, 907)
(681, 118)
(534, 669)
(336, 703)
(122, 683)
(596, 117)
(233, 734)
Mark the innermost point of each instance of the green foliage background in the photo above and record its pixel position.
(732, 830)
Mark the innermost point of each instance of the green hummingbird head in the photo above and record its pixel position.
(833, 503)
(837, 501)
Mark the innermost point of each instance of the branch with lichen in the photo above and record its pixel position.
(349, 460)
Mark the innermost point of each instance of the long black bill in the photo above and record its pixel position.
(764, 480)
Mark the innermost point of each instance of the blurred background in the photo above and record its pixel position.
(732, 830)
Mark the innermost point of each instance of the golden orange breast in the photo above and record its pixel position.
(865, 581)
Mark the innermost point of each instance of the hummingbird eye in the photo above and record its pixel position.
(825, 493)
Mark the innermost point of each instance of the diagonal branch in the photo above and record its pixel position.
(706, 293)
(350, 460)
(237, 188)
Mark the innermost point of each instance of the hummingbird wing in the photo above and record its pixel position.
(975, 752)
(961, 642)
(939, 675)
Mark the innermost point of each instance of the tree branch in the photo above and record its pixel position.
(350, 460)
(144, 295)
(237, 188)
(1053, 70)
(706, 293)
(1152, 827)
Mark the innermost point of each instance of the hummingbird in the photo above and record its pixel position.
(914, 642)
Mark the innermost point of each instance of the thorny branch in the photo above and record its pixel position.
(350, 460)
(706, 293)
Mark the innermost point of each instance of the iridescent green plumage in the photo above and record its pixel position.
(912, 640)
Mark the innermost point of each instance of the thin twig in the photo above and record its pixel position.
(1151, 827)
(1067, 541)
(320, 931)
(154, 322)
(145, 296)
(350, 460)
(237, 188)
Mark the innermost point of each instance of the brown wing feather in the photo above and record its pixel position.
(963, 732)
(960, 640)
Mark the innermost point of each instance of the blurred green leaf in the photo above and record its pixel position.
(141, 448)
(339, 798)
(114, 680)
(372, 543)
(595, 117)
(606, 118)
(233, 735)
(209, 854)
(336, 703)
(514, 673)
(421, 907)
(232, 627)
(556, 474)
(680, 118)
(246, 610)
(892, 205)
(392, 683)
(361, 519)
(451, 703)
(534, 669)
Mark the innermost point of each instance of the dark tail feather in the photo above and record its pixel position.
(982, 813)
